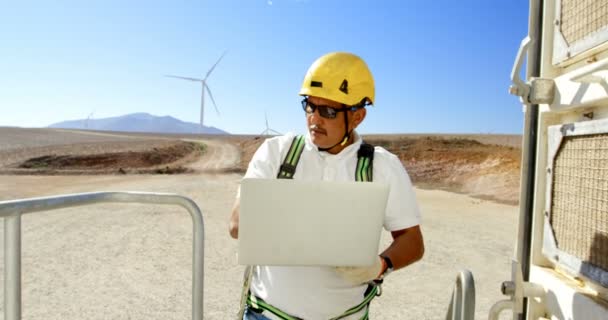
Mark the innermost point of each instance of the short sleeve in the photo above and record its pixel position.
(266, 160)
(402, 210)
(261, 165)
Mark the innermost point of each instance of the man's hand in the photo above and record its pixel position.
(359, 275)
(234, 219)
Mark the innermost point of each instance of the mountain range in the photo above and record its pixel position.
(138, 122)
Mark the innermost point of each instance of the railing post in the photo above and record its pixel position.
(462, 304)
(12, 267)
(198, 266)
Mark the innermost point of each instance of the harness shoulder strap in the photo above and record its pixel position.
(365, 163)
(288, 168)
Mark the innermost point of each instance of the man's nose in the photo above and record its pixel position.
(315, 117)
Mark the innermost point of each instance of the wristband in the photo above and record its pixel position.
(387, 266)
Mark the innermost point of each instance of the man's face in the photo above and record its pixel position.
(326, 132)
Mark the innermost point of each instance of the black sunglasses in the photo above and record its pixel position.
(326, 111)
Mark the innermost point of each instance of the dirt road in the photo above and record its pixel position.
(219, 157)
(122, 261)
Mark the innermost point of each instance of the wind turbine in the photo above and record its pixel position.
(268, 131)
(86, 124)
(204, 87)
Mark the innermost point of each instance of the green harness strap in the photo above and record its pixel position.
(260, 305)
(363, 173)
(365, 163)
(288, 168)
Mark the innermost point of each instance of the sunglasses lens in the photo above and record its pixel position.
(324, 111)
(305, 105)
(327, 112)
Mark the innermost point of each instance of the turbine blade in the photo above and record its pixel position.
(212, 100)
(218, 61)
(266, 117)
(183, 78)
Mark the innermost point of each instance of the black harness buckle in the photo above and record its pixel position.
(366, 150)
(288, 168)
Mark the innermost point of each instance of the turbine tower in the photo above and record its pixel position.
(204, 88)
(86, 124)
(268, 131)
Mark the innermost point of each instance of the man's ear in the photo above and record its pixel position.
(358, 117)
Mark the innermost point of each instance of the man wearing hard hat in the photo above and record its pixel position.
(336, 89)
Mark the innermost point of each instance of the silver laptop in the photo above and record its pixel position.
(310, 223)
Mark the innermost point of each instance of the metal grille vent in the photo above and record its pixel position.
(579, 208)
(579, 18)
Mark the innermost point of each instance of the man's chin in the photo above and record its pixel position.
(319, 142)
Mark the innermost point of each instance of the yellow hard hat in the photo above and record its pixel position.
(339, 76)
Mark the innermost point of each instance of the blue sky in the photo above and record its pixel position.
(440, 66)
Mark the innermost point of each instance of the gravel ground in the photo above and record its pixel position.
(133, 261)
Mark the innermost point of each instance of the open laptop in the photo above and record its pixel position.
(310, 223)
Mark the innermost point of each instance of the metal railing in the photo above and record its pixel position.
(462, 304)
(12, 210)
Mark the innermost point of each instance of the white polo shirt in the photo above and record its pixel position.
(315, 293)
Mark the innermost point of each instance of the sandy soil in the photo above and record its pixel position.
(133, 261)
(117, 261)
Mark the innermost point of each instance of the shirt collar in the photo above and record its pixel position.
(346, 152)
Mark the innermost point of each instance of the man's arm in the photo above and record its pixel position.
(234, 219)
(407, 247)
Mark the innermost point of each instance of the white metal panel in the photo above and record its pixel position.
(566, 299)
(551, 249)
(587, 18)
(583, 87)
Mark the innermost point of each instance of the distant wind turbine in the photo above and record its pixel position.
(86, 124)
(204, 87)
(268, 131)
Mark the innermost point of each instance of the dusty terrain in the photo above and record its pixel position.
(133, 261)
(49, 152)
(482, 166)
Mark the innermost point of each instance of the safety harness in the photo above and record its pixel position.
(363, 173)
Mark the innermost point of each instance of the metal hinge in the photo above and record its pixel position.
(536, 90)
